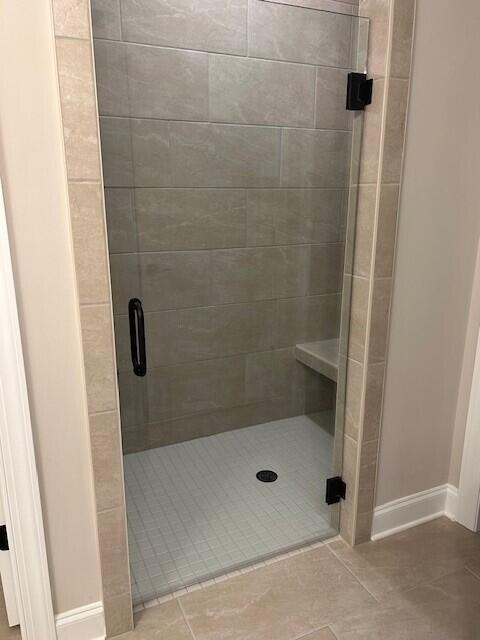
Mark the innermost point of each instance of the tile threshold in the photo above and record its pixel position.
(234, 574)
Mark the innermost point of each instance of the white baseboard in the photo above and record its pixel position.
(410, 511)
(84, 623)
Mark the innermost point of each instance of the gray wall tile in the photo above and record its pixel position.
(212, 25)
(200, 334)
(172, 280)
(259, 274)
(325, 269)
(125, 275)
(133, 398)
(315, 158)
(116, 152)
(121, 225)
(295, 216)
(166, 83)
(293, 33)
(233, 249)
(106, 19)
(215, 155)
(112, 78)
(175, 219)
(305, 319)
(251, 91)
(151, 153)
(196, 387)
(273, 374)
(330, 112)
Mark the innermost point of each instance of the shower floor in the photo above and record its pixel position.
(196, 509)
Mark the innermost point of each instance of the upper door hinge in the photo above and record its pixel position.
(359, 91)
(3, 538)
(336, 490)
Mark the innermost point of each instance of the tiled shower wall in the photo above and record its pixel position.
(226, 154)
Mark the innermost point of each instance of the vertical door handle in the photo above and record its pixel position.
(137, 337)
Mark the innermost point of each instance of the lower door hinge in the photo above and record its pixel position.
(3, 538)
(359, 91)
(336, 490)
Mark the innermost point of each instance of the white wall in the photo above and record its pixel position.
(436, 250)
(33, 172)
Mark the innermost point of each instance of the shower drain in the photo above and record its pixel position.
(267, 476)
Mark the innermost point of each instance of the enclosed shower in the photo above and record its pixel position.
(230, 164)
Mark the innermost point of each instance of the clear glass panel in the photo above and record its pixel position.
(229, 163)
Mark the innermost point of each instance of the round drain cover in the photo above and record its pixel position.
(267, 476)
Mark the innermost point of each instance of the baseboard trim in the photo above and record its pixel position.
(84, 623)
(413, 510)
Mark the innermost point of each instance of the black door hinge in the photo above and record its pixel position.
(336, 490)
(359, 91)
(3, 538)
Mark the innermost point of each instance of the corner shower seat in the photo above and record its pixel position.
(321, 356)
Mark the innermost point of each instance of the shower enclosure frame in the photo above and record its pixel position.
(381, 160)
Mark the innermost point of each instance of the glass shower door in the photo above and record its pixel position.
(229, 162)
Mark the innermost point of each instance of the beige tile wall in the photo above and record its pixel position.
(381, 166)
(391, 33)
(80, 122)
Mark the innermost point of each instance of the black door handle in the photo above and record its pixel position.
(137, 337)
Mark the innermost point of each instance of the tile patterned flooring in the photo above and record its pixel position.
(422, 584)
(196, 510)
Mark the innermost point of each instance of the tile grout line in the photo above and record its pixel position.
(206, 52)
(185, 618)
(357, 579)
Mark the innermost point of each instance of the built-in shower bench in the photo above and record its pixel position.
(321, 356)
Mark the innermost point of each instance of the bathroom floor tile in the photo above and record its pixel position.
(281, 601)
(444, 609)
(196, 509)
(163, 622)
(407, 559)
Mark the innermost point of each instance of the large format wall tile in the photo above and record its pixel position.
(295, 216)
(200, 334)
(116, 152)
(331, 91)
(196, 387)
(106, 19)
(294, 33)
(325, 269)
(112, 78)
(178, 219)
(210, 25)
(151, 153)
(121, 224)
(305, 319)
(166, 83)
(315, 158)
(220, 236)
(259, 274)
(125, 276)
(271, 374)
(251, 91)
(172, 280)
(214, 155)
